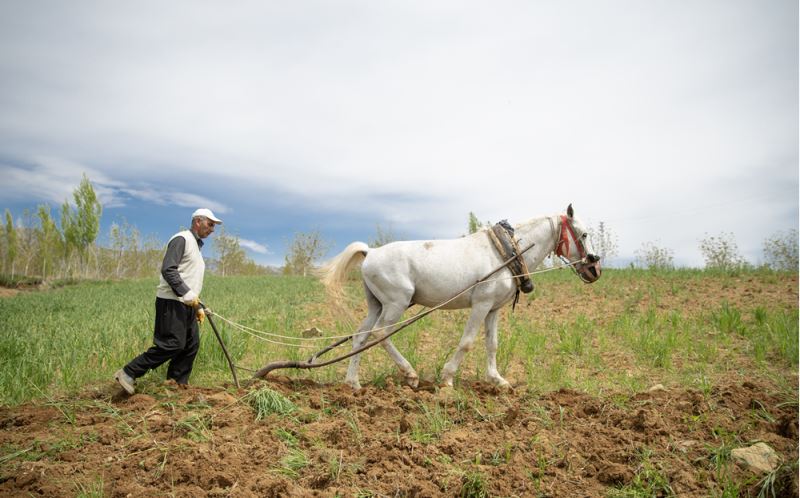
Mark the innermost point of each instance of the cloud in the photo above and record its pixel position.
(171, 198)
(254, 246)
(53, 180)
(412, 114)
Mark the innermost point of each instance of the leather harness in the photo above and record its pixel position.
(502, 235)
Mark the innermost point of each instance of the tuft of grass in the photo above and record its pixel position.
(265, 402)
(352, 423)
(92, 489)
(473, 485)
(502, 455)
(288, 437)
(657, 347)
(335, 466)
(11, 452)
(777, 334)
(434, 422)
(197, 427)
(649, 481)
(293, 462)
(778, 482)
(728, 319)
(720, 456)
(571, 340)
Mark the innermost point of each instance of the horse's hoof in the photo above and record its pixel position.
(356, 386)
(499, 383)
(445, 393)
(412, 381)
(446, 384)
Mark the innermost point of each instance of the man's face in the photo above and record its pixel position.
(203, 227)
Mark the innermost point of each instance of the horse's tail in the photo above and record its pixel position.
(333, 273)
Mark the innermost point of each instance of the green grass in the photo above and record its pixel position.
(293, 463)
(433, 423)
(266, 401)
(650, 480)
(627, 331)
(473, 485)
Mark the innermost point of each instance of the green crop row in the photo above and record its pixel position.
(632, 329)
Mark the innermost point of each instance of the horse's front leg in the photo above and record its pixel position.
(492, 374)
(465, 344)
(390, 316)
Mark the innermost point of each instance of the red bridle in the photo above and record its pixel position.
(562, 247)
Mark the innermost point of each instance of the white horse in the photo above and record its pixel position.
(429, 272)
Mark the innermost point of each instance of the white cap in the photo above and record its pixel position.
(208, 214)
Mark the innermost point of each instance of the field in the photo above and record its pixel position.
(641, 384)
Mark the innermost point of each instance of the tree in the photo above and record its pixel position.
(473, 224)
(653, 257)
(27, 240)
(49, 240)
(721, 253)
(11, 242)
(88, 214)
(780, 250)
(382, 237)
(303, 251)
(3, 247)
(70, 241)
(603, 241)
(81, 224)
(124, 251)
(231, 258)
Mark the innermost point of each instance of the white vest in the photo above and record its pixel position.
(190, 268)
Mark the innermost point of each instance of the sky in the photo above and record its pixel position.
(667, 121)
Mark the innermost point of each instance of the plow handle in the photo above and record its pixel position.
(224, 349)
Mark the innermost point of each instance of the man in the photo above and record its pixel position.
(176, 337)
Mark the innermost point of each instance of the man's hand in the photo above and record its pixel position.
(191, 299)
(201, 315)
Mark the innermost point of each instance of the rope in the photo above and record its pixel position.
(259, 334)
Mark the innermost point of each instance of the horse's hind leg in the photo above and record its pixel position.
(374, 307)
(491, 350)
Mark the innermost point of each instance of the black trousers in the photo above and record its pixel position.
(176, 339)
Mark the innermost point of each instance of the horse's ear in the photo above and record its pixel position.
(570, 211)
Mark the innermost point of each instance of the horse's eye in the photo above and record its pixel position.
(584, 235)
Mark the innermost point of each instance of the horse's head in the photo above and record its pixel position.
(572, 241)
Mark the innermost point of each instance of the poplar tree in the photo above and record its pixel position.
(81, 225)
(11, 241)
(49, 239)
(69, 232)
(473, 224)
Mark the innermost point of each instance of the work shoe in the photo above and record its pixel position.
(124, 380)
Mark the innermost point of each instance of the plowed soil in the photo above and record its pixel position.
(206, 442)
